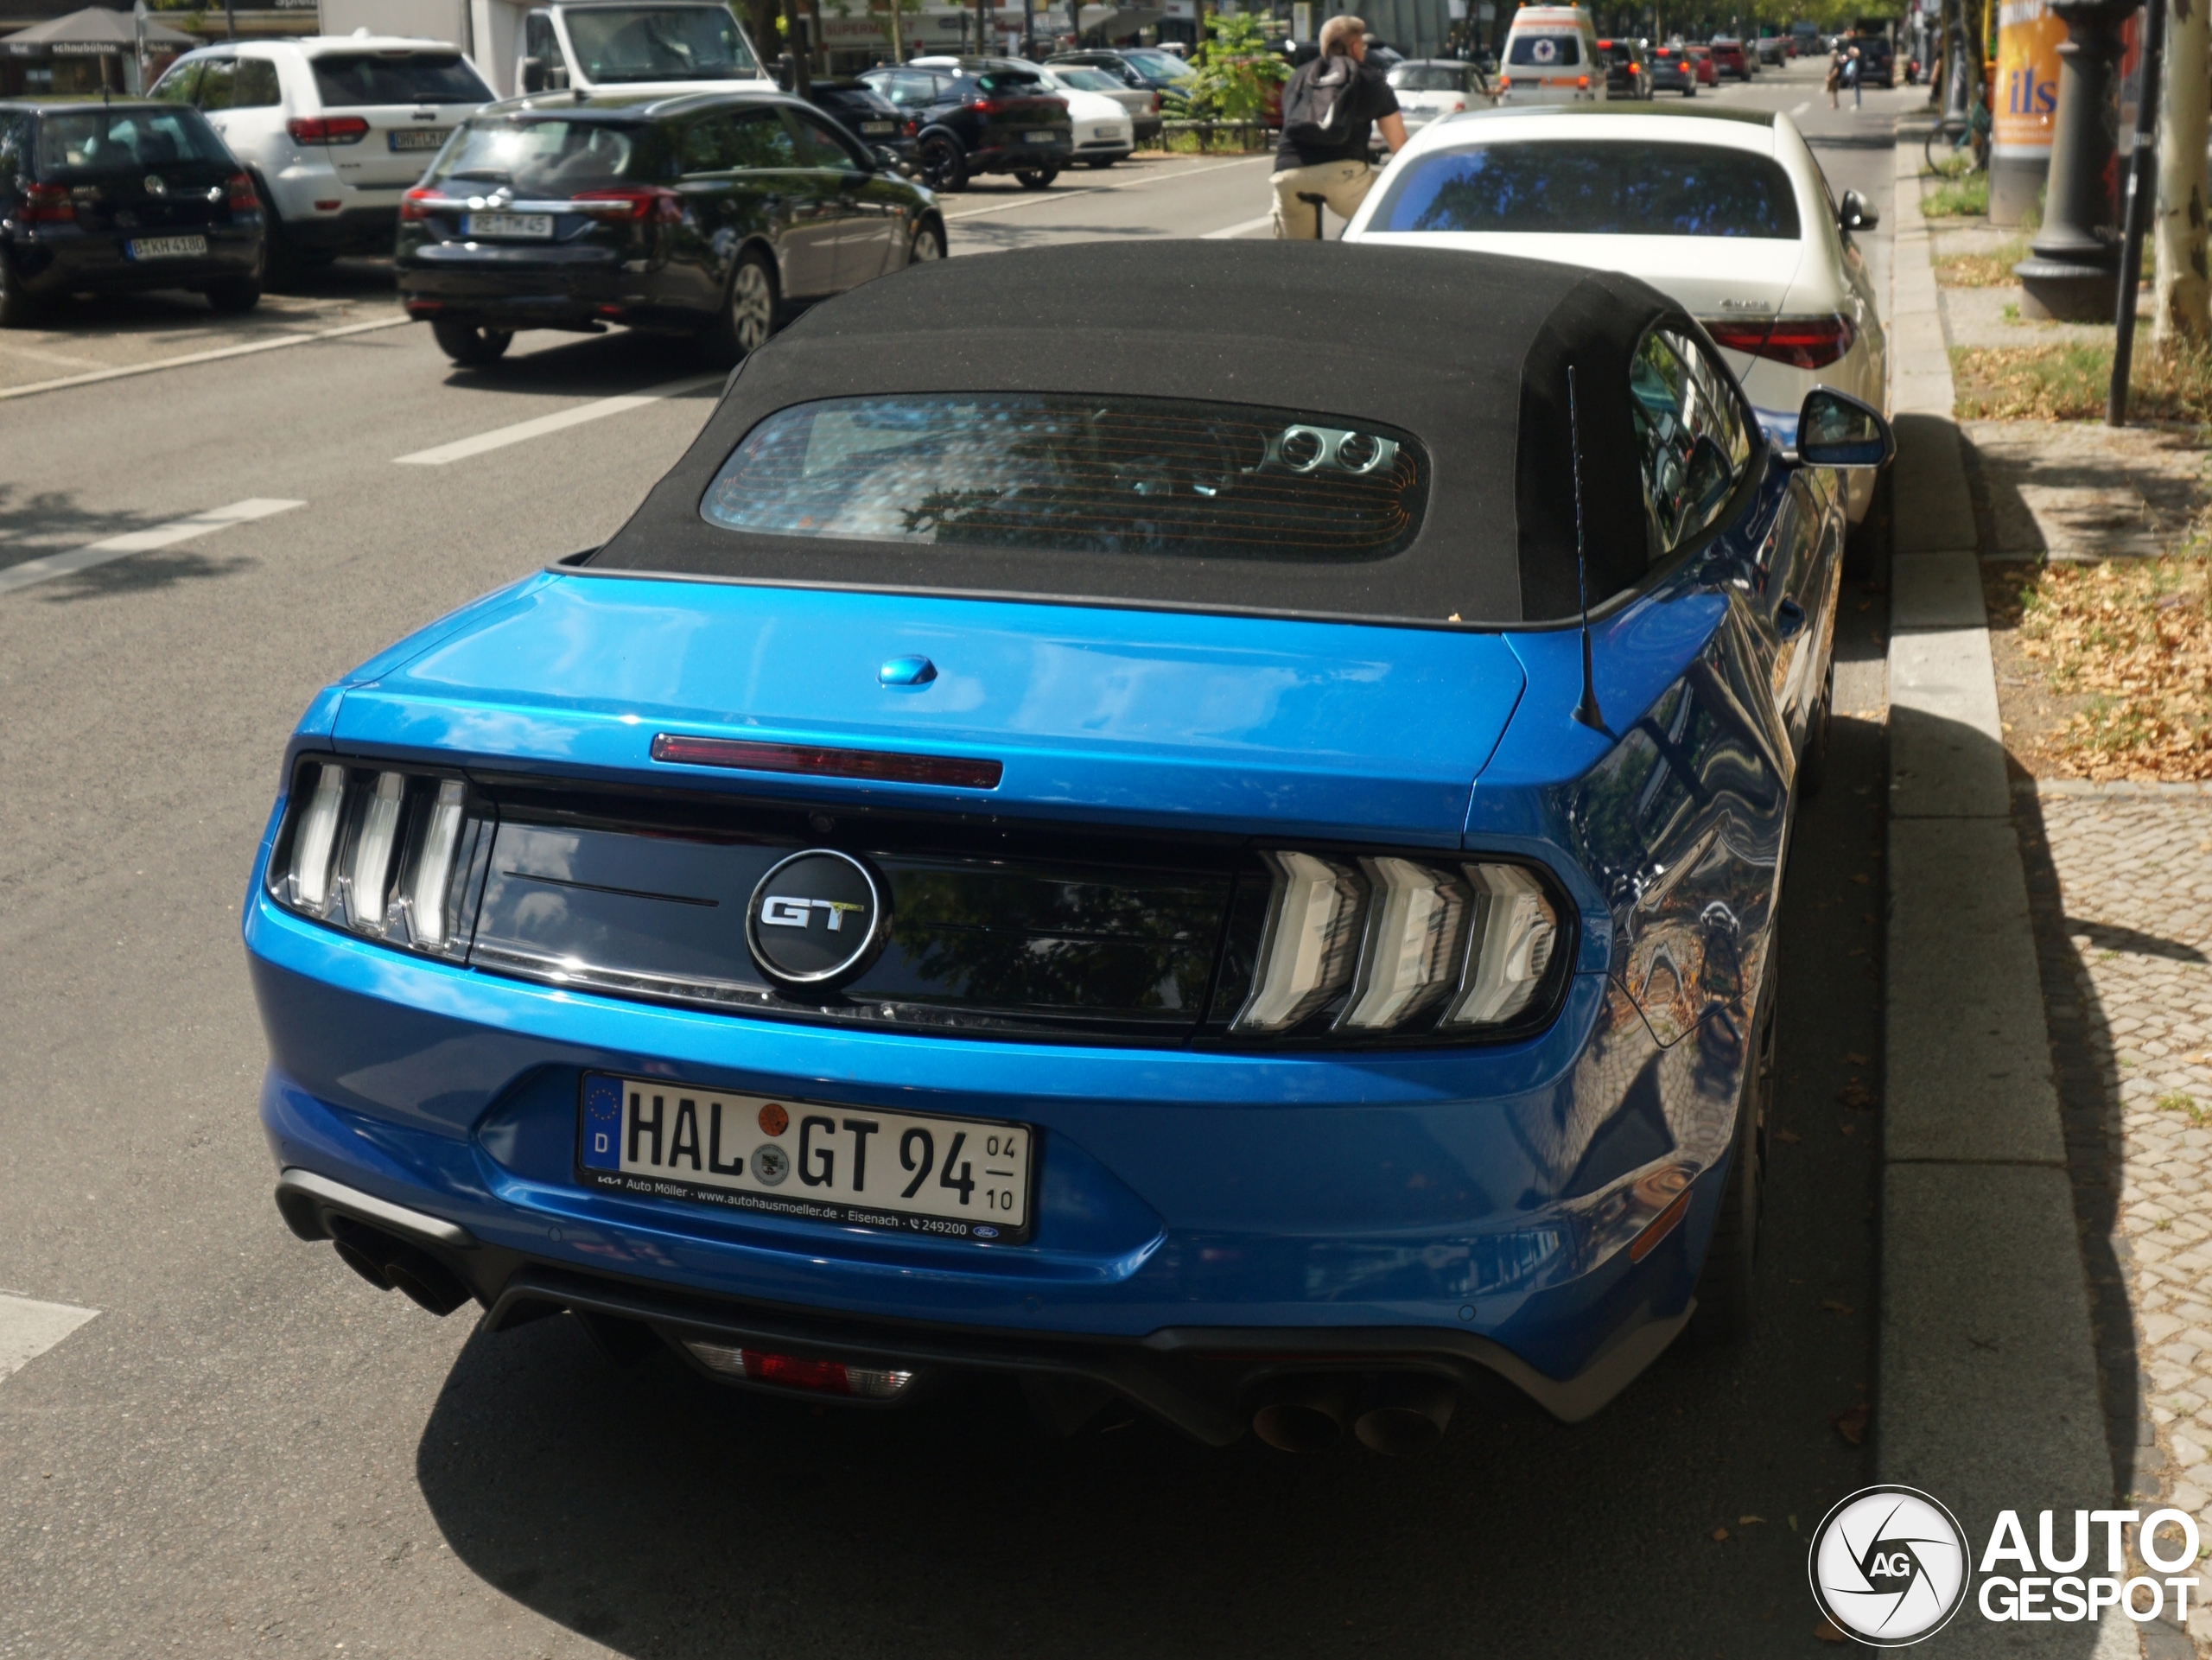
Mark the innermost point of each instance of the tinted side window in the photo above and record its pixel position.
(179, 83)
(218, 83)
(759, 138)
(907, 88)
(13, 160)
(818, 146)
(1691, 436)
(256, 88)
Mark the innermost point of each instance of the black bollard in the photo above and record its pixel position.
(2075, 259)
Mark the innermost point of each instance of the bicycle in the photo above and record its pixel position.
(1966, 136)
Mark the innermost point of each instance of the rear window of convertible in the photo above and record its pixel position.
(1594, 187)
(1057, 473)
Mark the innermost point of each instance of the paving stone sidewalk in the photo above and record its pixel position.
(2119, 878)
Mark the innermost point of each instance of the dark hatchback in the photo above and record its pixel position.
(117, 197)
(1877, 61)
(1672, 71)
(709, 213)
(865, 113)
(975, 118)
(1627, 73)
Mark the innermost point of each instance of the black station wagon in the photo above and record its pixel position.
(711, 213)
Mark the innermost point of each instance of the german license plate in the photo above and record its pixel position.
(418, 138)
(512, 225)
(1102, 132)
(169, 247)
(893, 1172)
(1043, 138)
(878, 129)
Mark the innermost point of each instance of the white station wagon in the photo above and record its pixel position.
(1728, 212)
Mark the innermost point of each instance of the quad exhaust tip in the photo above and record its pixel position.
(1395, 1414)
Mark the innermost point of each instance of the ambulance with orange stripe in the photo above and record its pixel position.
(1551, 57)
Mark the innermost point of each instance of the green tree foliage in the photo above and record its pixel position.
(1235, 70)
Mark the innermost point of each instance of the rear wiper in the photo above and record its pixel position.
(493, 173)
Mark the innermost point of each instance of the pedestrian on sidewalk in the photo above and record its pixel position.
(1836, 76)
(1330, 110)
(1853, 73)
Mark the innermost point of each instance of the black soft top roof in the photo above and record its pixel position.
(1466, 352)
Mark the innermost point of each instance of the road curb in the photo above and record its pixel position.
(1988, 1393)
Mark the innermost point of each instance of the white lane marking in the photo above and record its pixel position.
(1249, 225)
(130, 541)
(1800, 109)
(28, 1329)
(500, 437)
(1042, 197)
(212, 356)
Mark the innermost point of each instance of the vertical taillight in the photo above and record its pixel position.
(316, 838)
(433, 873)
(395, 855)
(1398, 945)
(243, 198)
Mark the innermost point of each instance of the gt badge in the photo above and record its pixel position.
(817, 918)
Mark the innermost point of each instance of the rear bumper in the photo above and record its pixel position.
(520, 288)
(1203, 1380)
(1020, 158)
(69, 261)
(355, 229)
(1295, 1212)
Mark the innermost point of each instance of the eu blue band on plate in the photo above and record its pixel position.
(602, 1127)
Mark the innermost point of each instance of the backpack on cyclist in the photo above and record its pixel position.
(1318, 112)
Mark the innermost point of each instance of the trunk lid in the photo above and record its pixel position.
(1232, 724)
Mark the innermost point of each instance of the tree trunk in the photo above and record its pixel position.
(2184, 294)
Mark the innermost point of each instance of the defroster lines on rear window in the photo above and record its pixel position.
(1059, 473)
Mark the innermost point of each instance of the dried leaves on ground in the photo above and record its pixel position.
(2062, 382)
(1992, 270)
(2135, 636)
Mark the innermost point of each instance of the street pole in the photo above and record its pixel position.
(2072, 263)
(2182, 310)
(2141, 183)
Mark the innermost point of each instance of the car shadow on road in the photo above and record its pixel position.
(545, 364)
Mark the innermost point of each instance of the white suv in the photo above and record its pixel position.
(334, 129)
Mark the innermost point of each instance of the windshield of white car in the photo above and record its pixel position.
(619, 43)
(1544, 51)
(546, 157)
(126, 140)
(354, 80)
(1429, 78)
(1059, 473)
(1593, 188)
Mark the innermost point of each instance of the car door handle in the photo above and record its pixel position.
(1788, 618)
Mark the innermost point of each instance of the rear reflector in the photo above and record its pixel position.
(884, 765)
(1661, 1225)
(793, 1373)
(1801, 343)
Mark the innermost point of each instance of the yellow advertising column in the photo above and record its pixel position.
(2023, 101)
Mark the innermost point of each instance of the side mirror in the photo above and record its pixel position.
(1854, 213)
(1835, 430)
(533, 74)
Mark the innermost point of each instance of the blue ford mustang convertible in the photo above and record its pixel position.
(1216, 844)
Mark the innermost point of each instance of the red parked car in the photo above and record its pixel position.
(1702, 57)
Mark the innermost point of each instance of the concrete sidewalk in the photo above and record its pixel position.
(1988, 1395)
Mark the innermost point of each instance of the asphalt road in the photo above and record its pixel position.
(248, 1450)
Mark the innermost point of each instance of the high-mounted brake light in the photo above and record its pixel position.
(46, 204)
(327, 128)
(887, 766)
(1388, 941)
(1801, 343)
